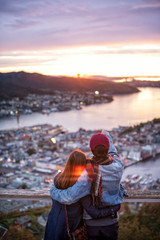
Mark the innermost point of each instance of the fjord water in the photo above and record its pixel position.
(151, 166)
(125, 110)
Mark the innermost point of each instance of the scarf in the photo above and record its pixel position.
(92, 167)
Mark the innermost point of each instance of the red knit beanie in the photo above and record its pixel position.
(99, 139)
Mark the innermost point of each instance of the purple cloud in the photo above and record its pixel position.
(21, 24)
(45, 24)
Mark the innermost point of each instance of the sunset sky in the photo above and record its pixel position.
(90, 37)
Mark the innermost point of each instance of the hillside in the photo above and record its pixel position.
(136, 222)
(19, 84)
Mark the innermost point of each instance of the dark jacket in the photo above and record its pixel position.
(56, 228)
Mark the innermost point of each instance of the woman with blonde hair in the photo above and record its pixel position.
(56, 228)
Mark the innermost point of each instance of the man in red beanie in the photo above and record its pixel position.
(105, 188)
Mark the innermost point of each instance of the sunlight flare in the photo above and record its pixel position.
(136, 60)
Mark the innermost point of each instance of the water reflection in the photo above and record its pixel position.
(125, 110)
(147, 167)
(146, 94)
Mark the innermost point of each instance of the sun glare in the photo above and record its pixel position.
(91, 60)
(146, 94)
(78, 170)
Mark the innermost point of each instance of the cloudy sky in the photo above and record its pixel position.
(90, 37)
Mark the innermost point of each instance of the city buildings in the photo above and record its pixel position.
(30, 157)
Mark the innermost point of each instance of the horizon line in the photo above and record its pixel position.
(87, 75)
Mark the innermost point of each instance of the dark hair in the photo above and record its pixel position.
(100, 151)
(73, 169)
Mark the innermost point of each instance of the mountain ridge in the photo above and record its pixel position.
(19, 84)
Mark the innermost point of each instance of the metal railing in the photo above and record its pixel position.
(27, 194)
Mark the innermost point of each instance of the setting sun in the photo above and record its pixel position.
(95, 60)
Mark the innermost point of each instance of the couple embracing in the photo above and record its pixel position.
(87, 194)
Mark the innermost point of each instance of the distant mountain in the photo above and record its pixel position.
(144, 83)
(19, 84)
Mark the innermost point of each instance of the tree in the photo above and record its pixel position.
(31, 151)
(14, 233)
(143, 225)
(24, 186)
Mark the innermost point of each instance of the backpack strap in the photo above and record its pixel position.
(68, 230)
